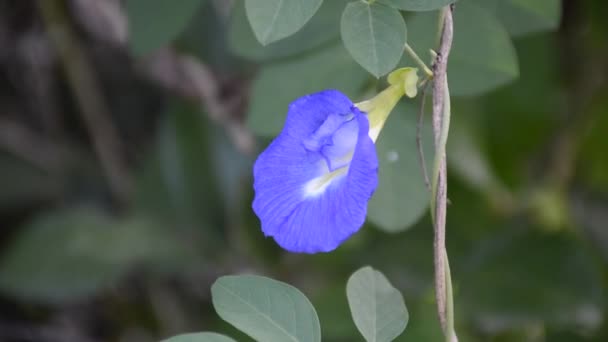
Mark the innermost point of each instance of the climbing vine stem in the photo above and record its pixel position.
(441, 125)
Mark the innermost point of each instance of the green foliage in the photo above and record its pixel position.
(199, 337)
(423, 324)
(332, 306)
(154, 23)
(266, 309)
(66, 256)
(528, 109)
(417, 5)
(593, 150)
(557, 284)
(482, 57)
(378, 308)
(522, 17)
(321, 29)
(401, 197)
(280, 83)
(466, 155)
(177, 178)
(374, 35)
(272, 20)
(528, 250)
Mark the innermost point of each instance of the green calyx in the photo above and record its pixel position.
(403, 81)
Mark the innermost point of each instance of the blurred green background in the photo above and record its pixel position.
(128, 130)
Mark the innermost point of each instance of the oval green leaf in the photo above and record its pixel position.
(483, 57)
(322, 28)
(266, 309)
(417, 5)
(154, 23)
(401, 197)
(200, 337)
(272, 20)
(378, 308)
(374, 35)
(278, 84)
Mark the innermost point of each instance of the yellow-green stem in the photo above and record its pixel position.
(449, 302)
(418, 60)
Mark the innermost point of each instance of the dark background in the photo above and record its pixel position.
(125, 184)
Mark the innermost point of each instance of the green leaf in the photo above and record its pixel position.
(401, 197)
(377, 307)
(374, 35)
(154, 23)
(522, 17)
(417, 5)
(73, 254)
(482, 58)
(279, 84)
(272, 20)
(200, 337)
(265, 309)
(322, 28)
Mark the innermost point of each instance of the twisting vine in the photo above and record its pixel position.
(441, 124)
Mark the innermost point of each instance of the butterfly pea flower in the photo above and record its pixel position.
(313, 182)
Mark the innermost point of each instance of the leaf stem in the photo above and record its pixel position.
(418, 60)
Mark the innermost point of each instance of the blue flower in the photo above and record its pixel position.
(313, 182)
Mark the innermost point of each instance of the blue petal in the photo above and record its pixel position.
(308, 113)
(313, 144)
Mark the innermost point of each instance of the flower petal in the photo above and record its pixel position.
(321, 224)
(308, 113)
(279, 173)
(304, 206)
